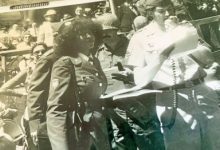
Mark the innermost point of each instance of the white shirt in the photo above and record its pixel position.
(146, 43)
(46, 34)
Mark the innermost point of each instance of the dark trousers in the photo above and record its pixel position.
(140, 114)
(43, 140)
(94, 134)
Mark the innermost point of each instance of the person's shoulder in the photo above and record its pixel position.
(68, 60)
(139, 34)
(145, 32)
(47, 56)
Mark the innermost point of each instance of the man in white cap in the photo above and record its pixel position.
(46, 30)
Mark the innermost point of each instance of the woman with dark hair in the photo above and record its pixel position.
(77, 78)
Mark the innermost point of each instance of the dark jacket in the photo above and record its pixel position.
(65, 94)
(38, 91)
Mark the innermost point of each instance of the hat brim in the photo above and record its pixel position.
(104, 27)
(49, 15)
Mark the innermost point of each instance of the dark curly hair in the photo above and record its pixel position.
(65, 43)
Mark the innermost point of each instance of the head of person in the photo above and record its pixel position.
(110, 25)
(27, 38)
(66, 16)
(15, 27)
(88, 12)
(139, 22)
(79, 11)
(38, 50)
(80, 35)
(157, 10)
(50, 15)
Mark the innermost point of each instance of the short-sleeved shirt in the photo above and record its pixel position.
(147, 42)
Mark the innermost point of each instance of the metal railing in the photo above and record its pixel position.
(8, 53)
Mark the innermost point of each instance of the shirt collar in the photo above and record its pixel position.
(84, 57)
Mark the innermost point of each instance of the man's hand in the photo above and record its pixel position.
(126, 76)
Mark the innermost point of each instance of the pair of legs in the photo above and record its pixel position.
(142, 128)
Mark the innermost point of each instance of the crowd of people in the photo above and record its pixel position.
(123, 81)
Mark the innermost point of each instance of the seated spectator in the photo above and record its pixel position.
(4, 39)
(27, 43)
(15, 35)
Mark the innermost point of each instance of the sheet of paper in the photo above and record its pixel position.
(135, 94)
(185, 38)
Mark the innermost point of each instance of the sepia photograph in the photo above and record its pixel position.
(110, 75)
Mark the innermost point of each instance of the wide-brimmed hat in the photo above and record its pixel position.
(50, 13)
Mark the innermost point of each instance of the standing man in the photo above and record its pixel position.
(187, 108)
(115, 45)
(46, 30)
(37, 96)
(134, 122)
(113, 50)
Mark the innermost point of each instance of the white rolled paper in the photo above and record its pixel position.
(185, 38)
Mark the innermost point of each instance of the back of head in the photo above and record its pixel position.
(140, 22)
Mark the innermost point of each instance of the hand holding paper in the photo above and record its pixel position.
(185, 38)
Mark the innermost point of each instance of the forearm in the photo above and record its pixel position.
(144, 75)
(15, 80)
